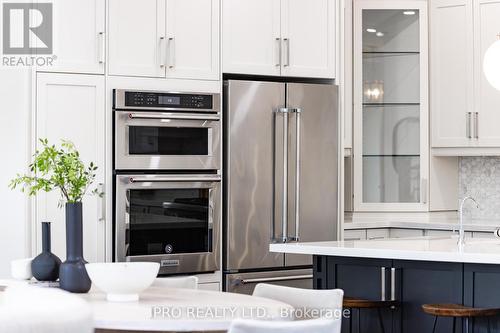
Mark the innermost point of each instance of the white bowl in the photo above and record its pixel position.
(123, 281)
(20, 269)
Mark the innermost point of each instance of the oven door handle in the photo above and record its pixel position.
(275, 279)
(168, 116)
(175, 178)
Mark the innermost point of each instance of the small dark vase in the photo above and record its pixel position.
(73, 276)
(45, 266)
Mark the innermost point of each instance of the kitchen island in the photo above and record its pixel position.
(413, 271)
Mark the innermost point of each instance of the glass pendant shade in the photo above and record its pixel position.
(491, 65)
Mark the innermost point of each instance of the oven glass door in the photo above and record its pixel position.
(172, 219)
(152, 140)
(168, 221)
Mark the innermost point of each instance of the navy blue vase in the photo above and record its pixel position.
(45, 266)
(73, 276)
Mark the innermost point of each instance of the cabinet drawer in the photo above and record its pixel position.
(372, 234)
(358, 234)
(403, 233)
(481, 234)
(214, 286)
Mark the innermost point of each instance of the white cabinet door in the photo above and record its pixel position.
(137, 42)
(251, 36)
(451, 73)
(308, 38)
(78, 36)
(193, 39)
(487, 98)
(72, 107)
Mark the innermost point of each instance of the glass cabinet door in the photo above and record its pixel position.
(390, 106)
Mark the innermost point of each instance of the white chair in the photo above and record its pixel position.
(303, 326)
(307, 303)
(28, 309)
(185, 282)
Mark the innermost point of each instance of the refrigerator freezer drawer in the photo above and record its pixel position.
(244, 283)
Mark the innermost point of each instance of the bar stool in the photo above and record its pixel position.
(459, 311)
(359, 304)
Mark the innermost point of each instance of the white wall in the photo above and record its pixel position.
(15, 129)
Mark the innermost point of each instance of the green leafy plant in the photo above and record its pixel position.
(58, 168)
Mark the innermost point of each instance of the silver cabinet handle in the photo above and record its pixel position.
(382, 283)
(171, 52)
(352, 239)
(286, 41)
(274, 279)
(423, 190)
(102, 202)
(476, 125)
(166, 116)
(298, 113)
(393, 284)
(278, 51)
(468, 118)
(175, 178)
(160, 51)
(102, 47)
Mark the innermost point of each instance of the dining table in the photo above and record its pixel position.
(162, 309)
(181, 310)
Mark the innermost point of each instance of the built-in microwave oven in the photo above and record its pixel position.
(166, 130)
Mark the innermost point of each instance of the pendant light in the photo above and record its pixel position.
(491, 64)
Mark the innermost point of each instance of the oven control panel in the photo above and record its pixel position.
(145, 99)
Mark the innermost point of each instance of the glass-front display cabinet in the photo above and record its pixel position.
(390, 91)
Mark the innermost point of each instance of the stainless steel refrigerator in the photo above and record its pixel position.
(281, 178)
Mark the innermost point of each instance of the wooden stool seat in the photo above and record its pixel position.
(359, 303)
(457, 310)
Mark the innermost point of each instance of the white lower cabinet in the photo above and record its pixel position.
(72, 107)
(214, 286)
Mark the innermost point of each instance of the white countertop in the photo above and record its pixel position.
(424, 220)
(477, 250)
(162, 309)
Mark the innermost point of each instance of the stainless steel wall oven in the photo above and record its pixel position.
(168, 180)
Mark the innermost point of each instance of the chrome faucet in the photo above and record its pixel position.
(461, 233)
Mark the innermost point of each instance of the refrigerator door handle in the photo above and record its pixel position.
(284, 194)
(298, 113)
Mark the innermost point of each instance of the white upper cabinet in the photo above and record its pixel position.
(451, 74)
(137, 40)
(72, 107)
(391, 154)
(487, 98)
(464, 105)
(273, 37)
(308, 32)
(164, 38)
(193, 39)
(78, 36)
(251, 37)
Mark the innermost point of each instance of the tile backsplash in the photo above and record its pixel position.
(479, 177)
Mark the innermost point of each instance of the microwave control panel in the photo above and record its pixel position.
(168, 100)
